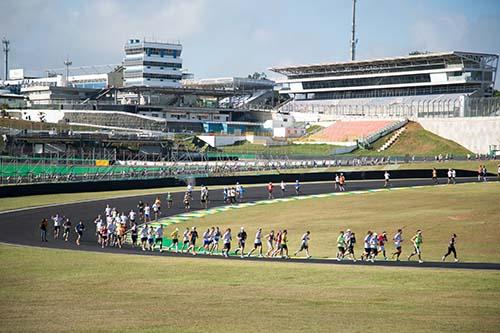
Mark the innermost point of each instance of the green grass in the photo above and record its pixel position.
(290, 149)
(59, 291)
(417, 141)
(471, 211)
(36, 125)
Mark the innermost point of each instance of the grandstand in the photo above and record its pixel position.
(448, 84)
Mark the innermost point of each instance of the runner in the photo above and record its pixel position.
(189, 191)
(170, 200)
(239, 192)
(226, 239)
(131, 217)
(193, 236)
(351, 242)
(151, 238)
(107, 210)
(215, 240)
(283, 188)
(304, 244)
(417, 242)
(204, 196)
(175, 240)
(187, 202)
(454, 176)
(373, 246)
(159, 237)
(57, 225)
(112, 233)
(185, 240)
(98, 222)
(337, 182)
(366, 254)
(387, 179)
(242, 237)
(103, 235)
(398, 239)
(340, 246)
(480, 173)
(79, 231)
(257, 244)
(43, 230)
(67, 229)
(156, 211)
(382, 239)
(134, 233)
(435, 176)
(341, 182)
(120, 234)
(270, 188)
(277, 242)
(297, 187)
(207, 240)
(140, 209)
(284, 245)
(270, 241)
(144, 237)
(147, 213)
(158, 206)
(451, 248)
(225, 193)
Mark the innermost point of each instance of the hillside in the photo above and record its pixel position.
(416, 141)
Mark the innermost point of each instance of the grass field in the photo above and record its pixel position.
(471, 211)
(59, 291)
(291, 149)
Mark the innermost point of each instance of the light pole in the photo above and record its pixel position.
(6, 50)
(67, 63)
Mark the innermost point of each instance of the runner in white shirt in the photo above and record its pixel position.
(98, 225)
(304, 244)
(58, 220)
(226, 239)
(387, 179)
(398, 239)
(450, 176)
(159, 237)
(454, 176)
(283, 188)
(257, 244)
(124, 218)
(337, 181)
(144, 237)
(107, 210)
(131, 216)
(185, 240)
(147, 213)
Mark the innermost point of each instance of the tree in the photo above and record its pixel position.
(257, 76)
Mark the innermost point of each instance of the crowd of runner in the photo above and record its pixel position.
(112, 228)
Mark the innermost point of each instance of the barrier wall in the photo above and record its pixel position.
(77, 187)
(475, 134)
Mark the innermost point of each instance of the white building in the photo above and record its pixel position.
(152, 64)
(419, 74)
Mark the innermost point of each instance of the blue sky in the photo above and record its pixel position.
(233, 37)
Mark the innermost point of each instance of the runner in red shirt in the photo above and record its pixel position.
(270, 188)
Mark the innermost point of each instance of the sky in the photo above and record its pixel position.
(236, 37)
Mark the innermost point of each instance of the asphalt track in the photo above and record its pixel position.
(21, 227)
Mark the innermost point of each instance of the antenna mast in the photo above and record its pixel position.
(6, 50)
(354, 41)
(67, 63)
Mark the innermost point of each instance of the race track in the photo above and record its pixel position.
(22, 226)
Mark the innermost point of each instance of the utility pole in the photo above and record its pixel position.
(67, 63)
(354, 41)
(6, 50)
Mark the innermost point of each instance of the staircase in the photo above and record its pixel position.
(392, 139)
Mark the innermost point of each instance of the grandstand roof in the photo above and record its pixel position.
(336, 66)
